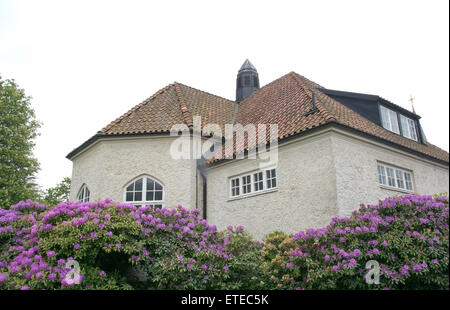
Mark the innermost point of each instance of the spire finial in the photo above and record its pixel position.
(411, 99)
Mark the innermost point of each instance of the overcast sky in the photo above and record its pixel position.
(85, 63)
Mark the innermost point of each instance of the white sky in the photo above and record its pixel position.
(85, 63)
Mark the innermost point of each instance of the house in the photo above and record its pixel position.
(335, 150)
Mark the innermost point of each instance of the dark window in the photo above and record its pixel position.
(246, 80)
(239, 82)
(256, 82)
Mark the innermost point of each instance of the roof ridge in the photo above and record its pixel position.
(259, 89)
(184, 110)
(327, 115)
(206, 92)
(134, 108)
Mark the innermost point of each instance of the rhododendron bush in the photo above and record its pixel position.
(406, 238)
(108, 245)
(118, 246)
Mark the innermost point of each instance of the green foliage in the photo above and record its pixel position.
(120, 246)
(406, 236)
(18, 128)
(57, 194)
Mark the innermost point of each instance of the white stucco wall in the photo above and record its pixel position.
(356, 162)
(319, 177)
(306, 194)
(110, 164)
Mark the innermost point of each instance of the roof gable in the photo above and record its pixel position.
(287, 101)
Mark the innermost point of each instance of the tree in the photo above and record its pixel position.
(57, 194)
(18, 129)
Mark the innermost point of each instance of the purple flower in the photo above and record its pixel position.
(118, 245)
(327, 258)
(52, 276)
(204, 267)
(2, 277)
(109, 233)
(225, 268)
(290, 264)
(94, 235)
(240, 227)
(375, 251)
(145, 252)
(25, 288)
(50, 253)
(77, 246)
(229, 227)
(356, 252)
(352, 262)
(101, 273)
(61, 261)
(189, 266)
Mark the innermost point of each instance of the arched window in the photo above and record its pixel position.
(144, 191)
(83, 194)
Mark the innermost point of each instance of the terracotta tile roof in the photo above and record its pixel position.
(174, 104)
(287, 101)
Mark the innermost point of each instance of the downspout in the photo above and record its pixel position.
(200, 169)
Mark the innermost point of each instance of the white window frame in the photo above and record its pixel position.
(246, 184)
(408, 127)
(389, 118)
(84, 193)
(258, 181)
(399, 180)
(145, 202)
(236, 188)
(253, 180)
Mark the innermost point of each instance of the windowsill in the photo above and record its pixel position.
(254, 194)
(396, 189)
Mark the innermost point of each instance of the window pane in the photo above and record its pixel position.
(138, 185)
(273, 173)
(408, 181)
(274, 182)
(129, 196)
(394, 121)
(391, 177)
(389, 119)
(412, 129)
(150, 184)
(138, 196)
(158, 195)
(130, 187)
(381, 175)
(149, 196)
(400, 182)
(158, 186)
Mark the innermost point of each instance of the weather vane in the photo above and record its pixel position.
(412, 103)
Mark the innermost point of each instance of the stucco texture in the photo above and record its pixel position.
(306, 195)
(109, 165)
(356, 163)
